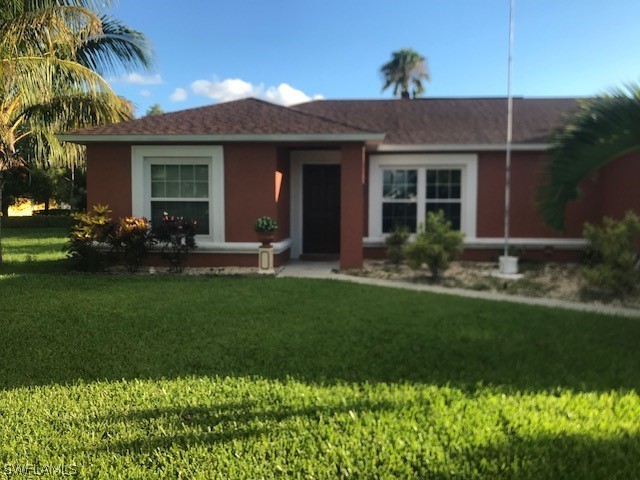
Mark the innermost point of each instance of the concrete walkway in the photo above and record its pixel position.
(326, 270)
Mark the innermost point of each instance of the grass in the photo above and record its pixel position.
(153, 377)
(33, 250)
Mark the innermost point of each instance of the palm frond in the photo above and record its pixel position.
(602, 129)
(117, 48)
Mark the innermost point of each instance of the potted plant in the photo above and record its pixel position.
(265, 228)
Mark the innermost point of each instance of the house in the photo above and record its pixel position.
(338, 175)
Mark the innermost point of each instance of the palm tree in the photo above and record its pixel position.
(406, 70)
(601, 130)
(53, 54)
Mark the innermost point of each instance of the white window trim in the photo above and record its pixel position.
(299, 158)
(468, 163)
(209, 155)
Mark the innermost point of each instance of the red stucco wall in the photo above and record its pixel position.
(526, 175)
(249, 189)
(620, 183)
(351, 205)
(109, 177)
(283, 207)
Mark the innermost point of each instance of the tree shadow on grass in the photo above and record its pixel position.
(60, 329)
(193, 425)
(559, 456)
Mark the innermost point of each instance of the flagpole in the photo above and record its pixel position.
(507, 185)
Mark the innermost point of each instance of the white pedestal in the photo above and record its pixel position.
(508, 265)
(265, 261)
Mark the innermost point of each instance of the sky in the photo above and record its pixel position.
(291, 51)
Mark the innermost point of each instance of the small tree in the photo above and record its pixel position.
(153, 110)
(435, 245)
(614, 257)
(395, 243)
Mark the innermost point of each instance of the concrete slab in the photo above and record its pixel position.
(303, 269)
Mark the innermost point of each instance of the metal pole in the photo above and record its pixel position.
(507, 184)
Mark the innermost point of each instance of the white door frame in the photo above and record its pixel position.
(298, 159)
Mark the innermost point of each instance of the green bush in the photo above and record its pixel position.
(38, 221)
(435, 245)
(395, 243)
(613, 255)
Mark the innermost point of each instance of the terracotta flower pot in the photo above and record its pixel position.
(266, 238)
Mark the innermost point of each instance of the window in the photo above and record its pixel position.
(403, 188)
(182, 180)
(399, 193)
(181, 190)
(444, 193)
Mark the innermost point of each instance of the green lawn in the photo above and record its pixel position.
(172, 377)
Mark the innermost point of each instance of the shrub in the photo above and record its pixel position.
(132, 239)
(395, 243)
(435, 245)
(265, 225)
(91, 229)
(613, 255)
(177, 236)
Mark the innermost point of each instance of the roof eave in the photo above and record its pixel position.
(178, 138)
(475, 147)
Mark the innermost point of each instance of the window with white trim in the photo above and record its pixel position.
(182, 180)
(444, 193)
(403, 188)
(399, 199)
(180, 190)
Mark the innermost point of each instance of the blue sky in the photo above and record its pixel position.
(290, 50)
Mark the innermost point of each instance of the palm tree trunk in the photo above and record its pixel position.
(1, 211)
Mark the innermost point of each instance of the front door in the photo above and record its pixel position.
(321, 209)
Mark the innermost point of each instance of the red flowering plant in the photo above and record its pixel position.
(177, 236)
(132, 239)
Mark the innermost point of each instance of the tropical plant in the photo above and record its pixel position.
(265, 225)
(406, 72)
(602, 129)
(178, 237)
(613, 252)
(395, 243)
(132, 239)
(87, 238)
(52, 56)
(435, 245)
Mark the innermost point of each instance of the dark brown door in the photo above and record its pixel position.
(321, 209)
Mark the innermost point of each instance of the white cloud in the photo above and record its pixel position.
(145, 93)
(224, 91)
(236, 88)
(285, 94)
(178, 95)
(137, 79)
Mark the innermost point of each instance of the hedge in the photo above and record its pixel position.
(38, 221)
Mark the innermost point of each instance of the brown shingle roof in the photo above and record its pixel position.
(242, 117)
(448, 121)
(430, 121)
